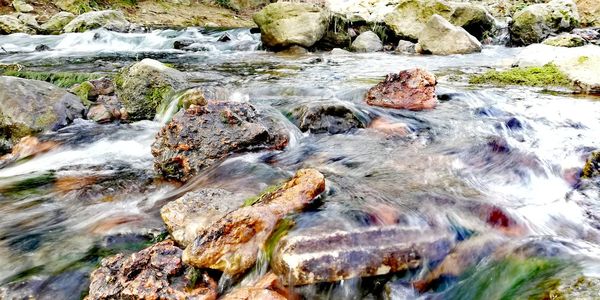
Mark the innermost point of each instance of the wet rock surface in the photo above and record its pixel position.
(332, 117)
(232, 243)
(67, 286)
(412, 89)
(57, 22)
(195, 211)
(333, 256)
(201, 136)
(156, 272)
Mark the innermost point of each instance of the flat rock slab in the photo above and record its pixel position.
(339, 255)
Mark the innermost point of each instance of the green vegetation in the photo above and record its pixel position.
(82, 91)
(157, 95)
(281, 229)
(61, 79)
(265, 195)
(548, 75)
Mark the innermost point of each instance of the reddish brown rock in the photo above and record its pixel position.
(412, 89)
(156, 272)
(232, 243)
(269, 287)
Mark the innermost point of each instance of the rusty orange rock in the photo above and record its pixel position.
(412, 89)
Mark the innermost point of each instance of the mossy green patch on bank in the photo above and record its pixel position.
(547, 75)
(61, 79)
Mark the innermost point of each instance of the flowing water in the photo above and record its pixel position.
(486, 160)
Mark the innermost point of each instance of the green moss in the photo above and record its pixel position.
(27, 184)
(265, 195)
(82, 91)
(156, 95)
(548, 75)
(61, 79)
(582, 59)
(281, 229)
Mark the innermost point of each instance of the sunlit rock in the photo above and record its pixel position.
(442, 38)
(367, 41)
(108, 19)
(57, 22)
(538, 21)
(412, 89)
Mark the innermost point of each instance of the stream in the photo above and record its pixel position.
(481, 152)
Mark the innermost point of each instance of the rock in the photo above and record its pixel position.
(106, 109)
(108, 19)
(28, 107)
(565, 40)
(326, 256)
(56, 23)
(269, 287)
(464, 256)
(592, 166)
(90, 90)
(589, 11)
(294, 51)
(284, 24)
(194, 212)
(538, 21)
(240, 5)
(22, 6)
(42, 48)
(412, 89)
(201, 136)
(410, 17)
(338, 51)
(29, 20)
(99, 114)
(156, 272)
(27, 147)
(10, 24)
(74, 6)
(143, 86)
(337, 34)
(367, 41)
(232, 243)
(332, 117)
(588, 34)
(405, 47)
(441, 37)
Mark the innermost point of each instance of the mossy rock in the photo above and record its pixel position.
(108, 19)
(536, 22)
(60, 79)
(565, 40)
(144, 86)
(547, 75)
(57, 22)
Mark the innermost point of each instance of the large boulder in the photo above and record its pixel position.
(326, 256)
(536, 22)
(30, 106)
(443, 38)
(56, 23)
(412, 89)
(240, 5)
(232, 244)
(194, 212)
(12, 24)
(589, 11)
(410, 17)
(156, 272)
(367, 41)
(108, 19)
(143, 86)
(565, 40)
(285, 24)
(201, 136)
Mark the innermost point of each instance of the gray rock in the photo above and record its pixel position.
(12, 24)
(201, 136)
(22, 6)
(31, 106)
(194, 212)
(325, 256)
(536, 22)
(285, 24)
(57, 22)
(565, 40)
(143, 86)
(443, 38)
(108, 19)
(367, 41)
(405, 47)
(333, 117)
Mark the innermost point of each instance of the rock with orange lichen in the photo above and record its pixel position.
(156, 272)
(201, 136)
(232, 243)
(412, 89)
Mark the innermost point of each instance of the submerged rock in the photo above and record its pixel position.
(332, 117)
(285, 24)
(412, 89)
(538, 21)
(410, 17)
(57, 22)
(28, 107)
(565, 40)
(143, 86)
(441, 37)
(232, 243)
(367, 41)
(156, 272)
(339, 255)
(203, 135)
(65, 286)
(194, 212)
(269, 287)
(108, 19)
